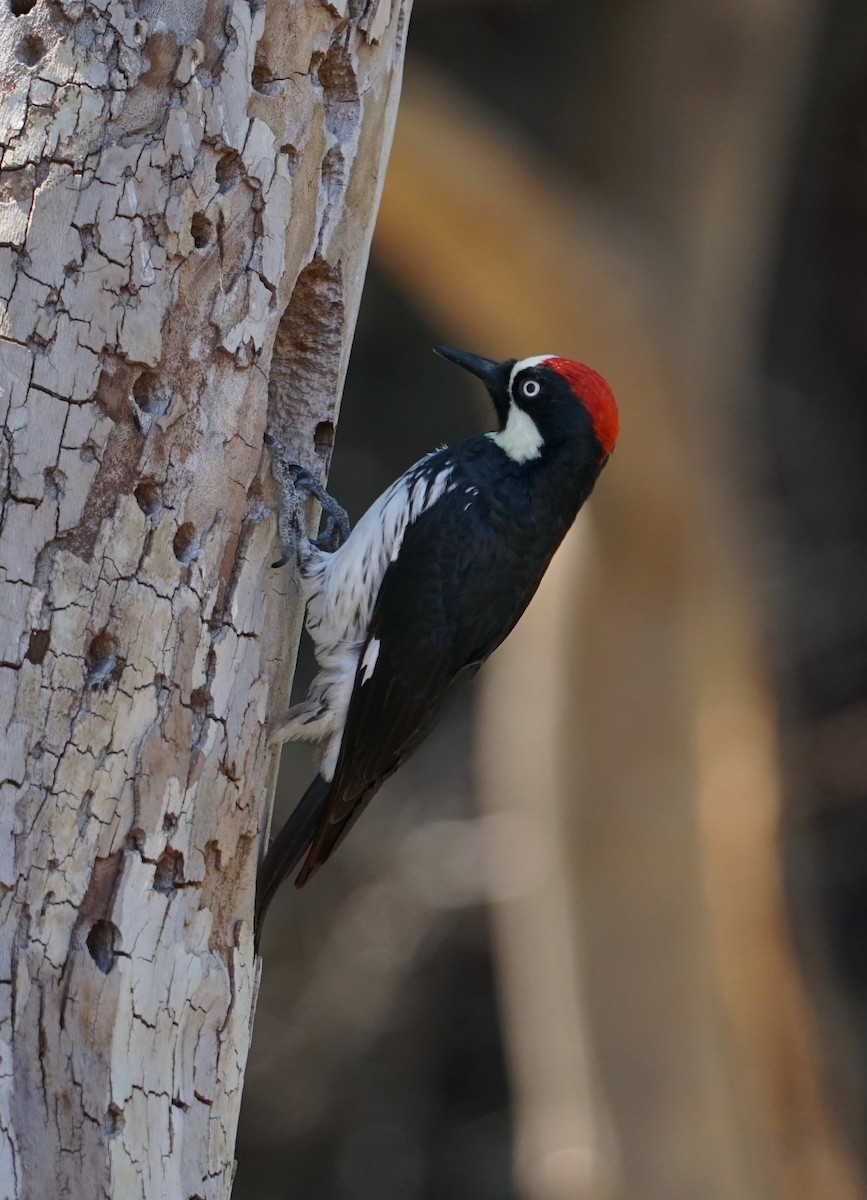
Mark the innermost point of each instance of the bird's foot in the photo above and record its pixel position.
(307, 721)
(297, 484)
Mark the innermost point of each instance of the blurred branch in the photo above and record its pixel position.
(564, 1149)
(670, 791)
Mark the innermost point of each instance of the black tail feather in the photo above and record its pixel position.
(329, 837)
(289, 847)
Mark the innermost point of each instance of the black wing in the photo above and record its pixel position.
(443, 607)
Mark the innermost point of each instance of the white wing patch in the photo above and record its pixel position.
(521, 438)
(368, 663)
(412, 501)
(341, 590)
(340, 606)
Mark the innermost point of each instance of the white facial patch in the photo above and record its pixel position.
(524, 364)
(368, 663)
(521, 438)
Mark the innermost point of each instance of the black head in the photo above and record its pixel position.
(542, 400)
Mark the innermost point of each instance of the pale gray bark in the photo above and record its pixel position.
(187, 193)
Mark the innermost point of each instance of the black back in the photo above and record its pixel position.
(467, 569)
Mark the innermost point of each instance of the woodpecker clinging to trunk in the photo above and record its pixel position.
(431, 580)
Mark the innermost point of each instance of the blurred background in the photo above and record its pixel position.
(605, 937)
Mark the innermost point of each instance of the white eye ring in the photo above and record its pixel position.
(530, 388)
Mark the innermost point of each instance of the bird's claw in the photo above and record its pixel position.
(336, 529)
(296, 484)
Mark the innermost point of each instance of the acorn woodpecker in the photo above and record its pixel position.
(430, 581)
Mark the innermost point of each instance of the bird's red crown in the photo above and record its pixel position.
(596, 396)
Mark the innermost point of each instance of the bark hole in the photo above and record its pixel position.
(186, 543)
(17, 184)
(169, 872)
(229, 170)
(100, 944)
(202, 230)
(156, 228)
(102, 661)
(114, 1121)
(19, 7)
(148, 497)
(340, 86)
(305, 367)
(88, 237)
(229, 770)
(85, 812)
(323, 437)
(333, 174)
(55, 483)
(263, 79)
(152, 395)
(30, 50)
(38, 648)
(291, 153)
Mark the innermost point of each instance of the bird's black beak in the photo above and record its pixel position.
(485, 368)
(495, 375)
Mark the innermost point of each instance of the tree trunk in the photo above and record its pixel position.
(186, 203)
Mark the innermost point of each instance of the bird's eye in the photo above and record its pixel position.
(530, 388)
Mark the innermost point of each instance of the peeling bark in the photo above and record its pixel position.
(187, 192)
